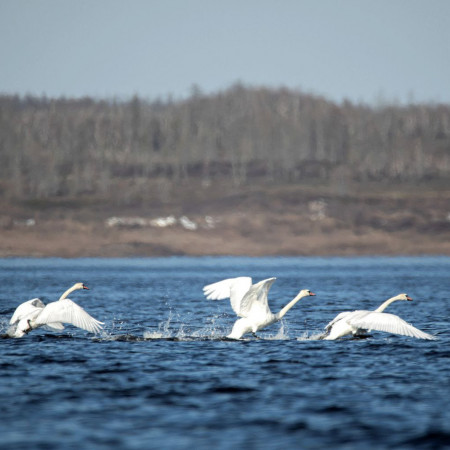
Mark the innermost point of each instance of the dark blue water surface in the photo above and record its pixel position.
(161, 376)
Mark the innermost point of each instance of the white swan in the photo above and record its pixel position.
(33, 314)
(249, 302)
(355, 322)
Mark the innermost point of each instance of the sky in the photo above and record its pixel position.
(365, 51)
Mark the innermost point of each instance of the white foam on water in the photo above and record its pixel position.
(309, 337)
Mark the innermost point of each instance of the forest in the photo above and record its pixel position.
(244, 171)
(56, 148)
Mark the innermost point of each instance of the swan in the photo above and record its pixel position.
(249, 302)
(34, 313)
(355, 322)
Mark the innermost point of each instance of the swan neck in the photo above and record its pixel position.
(73, 288)
(284, 310)
(384, 305)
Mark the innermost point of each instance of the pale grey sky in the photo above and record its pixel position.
(356, 49)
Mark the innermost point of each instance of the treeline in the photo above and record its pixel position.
(67, 147)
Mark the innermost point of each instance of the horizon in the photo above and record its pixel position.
(196, 90)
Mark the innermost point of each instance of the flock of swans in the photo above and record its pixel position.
(249, 302)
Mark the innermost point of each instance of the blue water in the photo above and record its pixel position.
(161, 376)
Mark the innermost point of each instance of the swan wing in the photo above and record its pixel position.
(337, 319)
(54, 326)
(232, 288)
(27, 310)
(255, 300)
(389, 323)
(67, 311)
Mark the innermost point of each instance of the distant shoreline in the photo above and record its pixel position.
(73, 242)
(264, 220)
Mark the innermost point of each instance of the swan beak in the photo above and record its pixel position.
(85, 287)
(409, 298)
(311, 293)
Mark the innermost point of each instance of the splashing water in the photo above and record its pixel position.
(211, 331)
(163, 331)
(281, 335)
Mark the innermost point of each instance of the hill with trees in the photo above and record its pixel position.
(258, 161)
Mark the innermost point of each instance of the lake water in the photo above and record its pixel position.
(162, 376)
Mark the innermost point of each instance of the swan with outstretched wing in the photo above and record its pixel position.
(360, 321)
(249, 302)
(34, 313)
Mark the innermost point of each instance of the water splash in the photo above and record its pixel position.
(213, 330)
(4, 325)
(166, 330)
(282, 334)
(310, 337)
(163, 331)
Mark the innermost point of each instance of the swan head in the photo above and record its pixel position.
(404, 297)
(306, 293)
(73, 288)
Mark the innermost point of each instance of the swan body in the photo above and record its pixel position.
(34, 313)
(249, 301)
(357, 322)
(28, 312)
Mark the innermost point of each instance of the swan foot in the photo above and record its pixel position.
(255, 336)
(29, 327)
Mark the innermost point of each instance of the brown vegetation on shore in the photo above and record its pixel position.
(282, 220)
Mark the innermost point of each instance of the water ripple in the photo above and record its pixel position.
(162, 374)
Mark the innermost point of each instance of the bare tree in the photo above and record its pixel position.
(68, 147)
